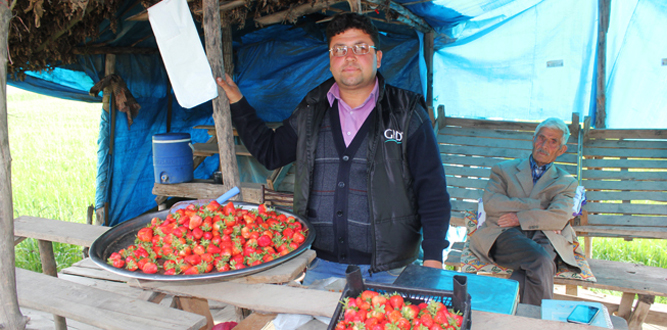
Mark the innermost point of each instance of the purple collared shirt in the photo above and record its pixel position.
(352, 119)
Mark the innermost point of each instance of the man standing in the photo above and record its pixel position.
(528, 203)
(368, 169)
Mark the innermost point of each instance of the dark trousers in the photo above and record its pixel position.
(533, 259)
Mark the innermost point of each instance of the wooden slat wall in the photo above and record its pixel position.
(625, 175)
(469, 148)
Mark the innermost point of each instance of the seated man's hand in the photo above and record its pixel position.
(508, 220)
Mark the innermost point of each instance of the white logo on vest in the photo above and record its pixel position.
(393, 136)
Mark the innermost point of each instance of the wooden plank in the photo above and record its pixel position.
(625, 185)
(626, 143)
(492, 124)
(626, 152)
(57, 231)
(467, 171)
(97, 307)
(255, 321)
(207, 190)
(625, 175)
(489, 162)
(260, 297)
(644, 232)
(470, 161)
(626, 220)
(627, 134)
(657, 196)
(483, 151)
(95, 273)
(486, 142)
(626, 208)
(466, 182)
(624, 277)
(624, 163)
(465, 193)
(463, 205)
(111, 286)
(485, 321)
(497, 133)
(210, 149)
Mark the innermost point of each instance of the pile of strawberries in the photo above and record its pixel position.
(374, 311)
(202, 238)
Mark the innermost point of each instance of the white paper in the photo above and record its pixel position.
(481, 214)
(182, 53)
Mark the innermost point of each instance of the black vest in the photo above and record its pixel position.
(394, 222)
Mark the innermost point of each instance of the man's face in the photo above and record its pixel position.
(546, 146)
(353, 71)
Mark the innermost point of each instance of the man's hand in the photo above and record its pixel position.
(433, 264)
(233, 92)
(508, 220)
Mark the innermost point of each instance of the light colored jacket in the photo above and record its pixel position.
(545, 206)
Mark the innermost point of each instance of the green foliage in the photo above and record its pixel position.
(649, 252)
(53, 145)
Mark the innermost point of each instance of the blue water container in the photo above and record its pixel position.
(172, 158)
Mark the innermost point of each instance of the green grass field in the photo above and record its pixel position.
(53, 144)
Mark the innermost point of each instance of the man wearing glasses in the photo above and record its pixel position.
(368, 169)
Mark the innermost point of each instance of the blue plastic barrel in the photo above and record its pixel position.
(172, 158)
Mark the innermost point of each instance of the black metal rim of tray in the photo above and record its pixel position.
(123, 234)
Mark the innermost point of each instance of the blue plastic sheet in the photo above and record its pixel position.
(510, 59)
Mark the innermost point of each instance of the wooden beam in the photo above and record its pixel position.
(113, 50)
(405, 16)
(221, 112)
(355, 6)
(227, 48)
(229, 5)
(69, 26)
(429, 40)
(10, 314)
(49, 267)
(291, 15)
(601, 83)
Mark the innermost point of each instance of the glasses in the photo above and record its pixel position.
(358, 49)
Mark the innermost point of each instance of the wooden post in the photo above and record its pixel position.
(10, 314)
(49, 267)
(429, 40)
(227, 49)
(601, 83)
(107, 105)
(221, 114)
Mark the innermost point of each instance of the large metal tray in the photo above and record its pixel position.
(123, 235)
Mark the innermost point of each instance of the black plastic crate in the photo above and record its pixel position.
(458, 299)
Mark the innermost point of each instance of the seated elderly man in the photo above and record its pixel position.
(528, 203)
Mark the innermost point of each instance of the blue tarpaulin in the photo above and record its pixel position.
(521, 59)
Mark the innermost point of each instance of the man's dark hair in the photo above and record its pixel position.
(345, 21)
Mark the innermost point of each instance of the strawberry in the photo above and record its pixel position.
(195, 222)
(145, 234)
(410, 311)
(264, 240)
(213, 206)
(149, 268)
(396, 301)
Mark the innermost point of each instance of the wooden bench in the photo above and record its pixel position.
(469, 148)
(625, 175)
(65, 299)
